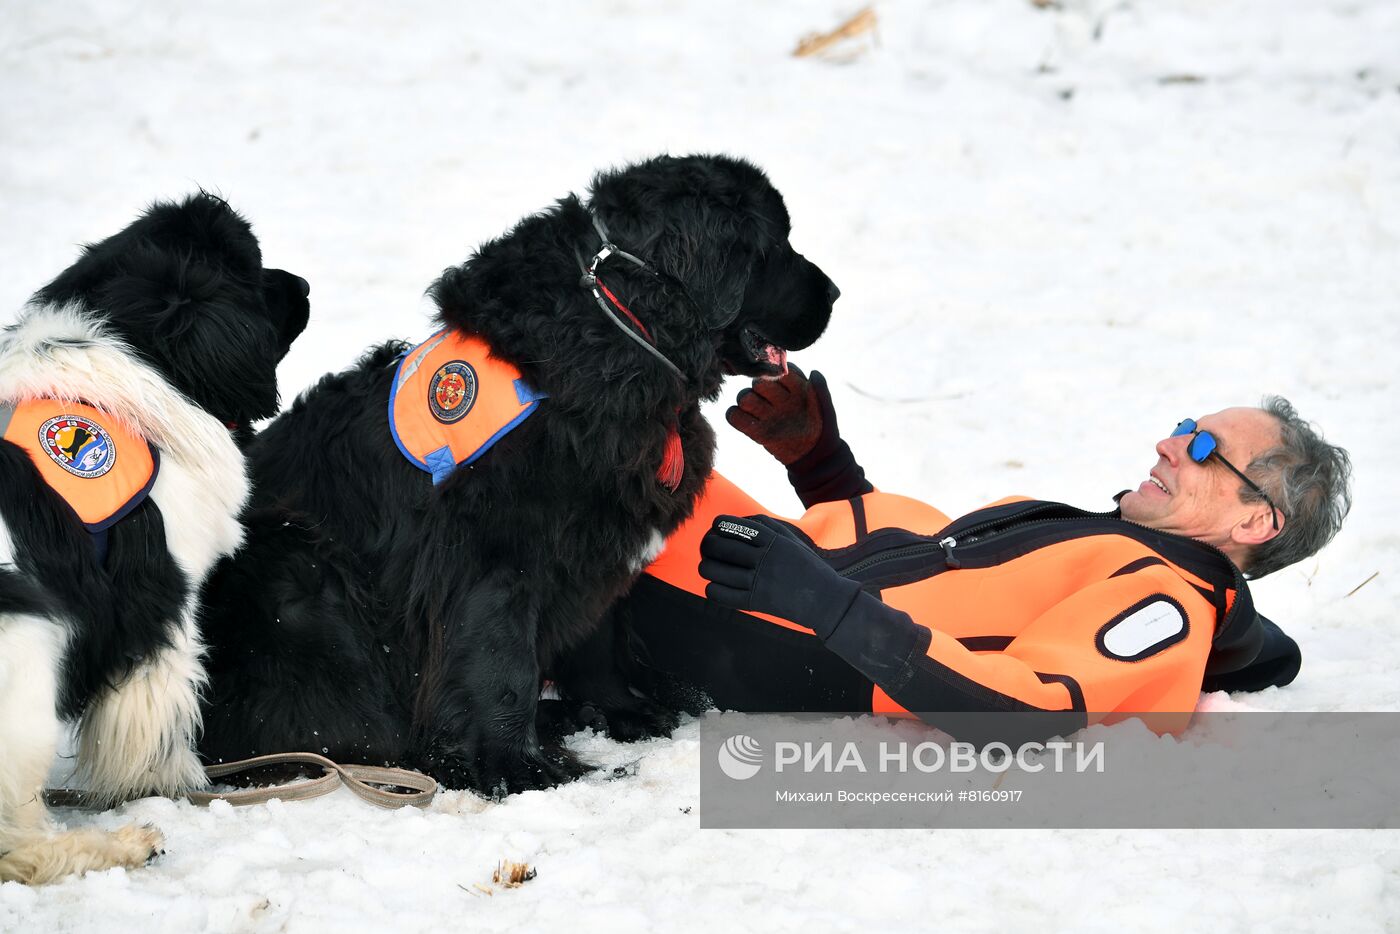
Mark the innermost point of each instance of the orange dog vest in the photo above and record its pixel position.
(101, 469)
(451, 400)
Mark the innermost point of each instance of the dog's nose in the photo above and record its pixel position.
(304, 286)
(832, 292)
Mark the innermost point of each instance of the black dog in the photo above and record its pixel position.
(143, 360)
(378, 617)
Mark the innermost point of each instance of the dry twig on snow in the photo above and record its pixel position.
(857, 25)
(1363, 583)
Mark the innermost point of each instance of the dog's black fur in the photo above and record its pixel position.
(185, 288)
(382, 619)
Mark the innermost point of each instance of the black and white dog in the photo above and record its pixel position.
(125, 385)
(378, 616)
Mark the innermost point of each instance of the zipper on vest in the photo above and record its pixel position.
(943, 548)
(890, 554)
(947, 544)
(981, 534)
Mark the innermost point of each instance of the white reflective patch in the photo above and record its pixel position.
(1152, 625)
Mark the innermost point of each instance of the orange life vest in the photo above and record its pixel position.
(451, 401)
(100, 468)
(1091, 614)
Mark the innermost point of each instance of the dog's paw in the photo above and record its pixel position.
(140, 843)
(567, 766)
(43, 858)
(641, 720)
(538, 771)
(555, 719)
(498, 776)
(591, 717)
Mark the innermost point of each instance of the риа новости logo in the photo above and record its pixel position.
(740, 757)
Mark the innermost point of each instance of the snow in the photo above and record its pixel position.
(1057, 232)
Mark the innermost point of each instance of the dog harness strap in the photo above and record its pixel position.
(672, 467)
(640, 340)
(627, 311)
(101, 469)
(451, 401)
(589, 280)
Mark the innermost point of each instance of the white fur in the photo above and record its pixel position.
(200, 528)
(36, 860)
(31, 651)
(650, 551)
(7, 547)
(138, 737)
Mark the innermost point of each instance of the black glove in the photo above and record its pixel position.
(759, 564)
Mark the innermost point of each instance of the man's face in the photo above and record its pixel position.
(1202, 501)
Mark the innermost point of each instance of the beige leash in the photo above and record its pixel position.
(363, 780)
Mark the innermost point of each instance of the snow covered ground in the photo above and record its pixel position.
(1057, 232)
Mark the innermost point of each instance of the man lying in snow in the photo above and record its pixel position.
(878, 602)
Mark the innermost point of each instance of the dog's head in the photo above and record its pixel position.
(717, 226)
(184, 287)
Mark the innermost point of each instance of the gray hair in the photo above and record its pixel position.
(1310, 482)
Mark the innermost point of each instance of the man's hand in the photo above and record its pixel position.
(759, 564)
(788, 415)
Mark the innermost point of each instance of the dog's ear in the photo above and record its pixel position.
(714, 270)
(703, 220)
(183, 285)
(207, 328)
(706, 247)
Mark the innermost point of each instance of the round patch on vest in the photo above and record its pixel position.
(452, 391)
(78, 445)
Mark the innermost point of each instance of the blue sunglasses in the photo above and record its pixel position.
(1203, 446)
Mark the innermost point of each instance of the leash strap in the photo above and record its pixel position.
(374, 784)
(589, 280)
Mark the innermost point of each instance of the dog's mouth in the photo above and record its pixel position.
(763, 358)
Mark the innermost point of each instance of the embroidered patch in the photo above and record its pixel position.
(452, 391)
(79, 445)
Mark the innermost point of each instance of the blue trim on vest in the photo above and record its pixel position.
(98, 528)
(525, 393)
(505, 430)
(439, 463)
